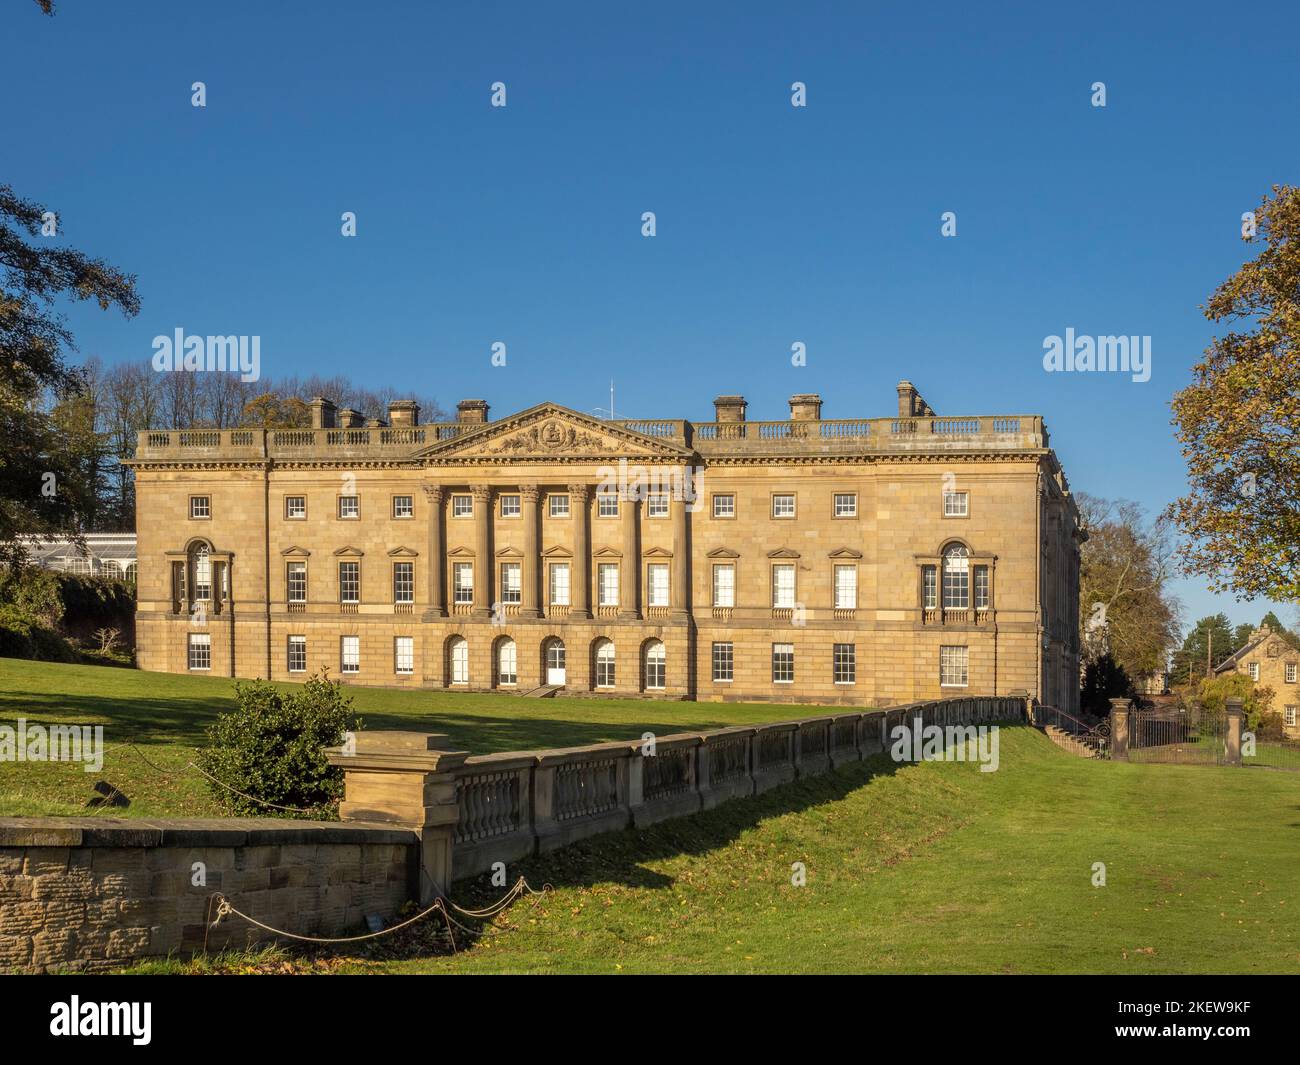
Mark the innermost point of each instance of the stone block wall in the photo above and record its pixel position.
(86, 894)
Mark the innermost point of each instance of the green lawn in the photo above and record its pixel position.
(916, 868)
(165, 716)
(930, 868)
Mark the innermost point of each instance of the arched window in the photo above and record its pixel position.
(132, 572)
(507, 661)
(112, 570)
(604, 664)
(458, 660)
(656, 665)
(202, 567)
(76, 564)
(956, 577)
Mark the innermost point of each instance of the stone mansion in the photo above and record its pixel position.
(857, 562)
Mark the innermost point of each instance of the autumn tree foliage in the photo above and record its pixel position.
(1126, 608)
(1239, 421)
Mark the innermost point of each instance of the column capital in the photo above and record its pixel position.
(434, 492)
(582, 492)
(529, 493)
(482, 493)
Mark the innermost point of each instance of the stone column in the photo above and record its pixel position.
(409, 779)
(580, 501)
(1236, 723)
(1119, 730)
(630, 592)
(437, 561)
(483, 561)
(528, 599)
(681, 555)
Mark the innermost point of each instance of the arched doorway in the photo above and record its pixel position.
(554, 655)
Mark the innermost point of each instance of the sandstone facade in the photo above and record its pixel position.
(855, 562)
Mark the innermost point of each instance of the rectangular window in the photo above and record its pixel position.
(403, 582)
(559, 584)
(783, 586)
(846, 587)
(954, 665)
(724, 506)
(1290, 672)
(782, 663)
(510, 507)
(349, 506)
(559, 506)
(200, 507)
(724, 584)
(607, 583)
(511, 582)
(606, 505)
(1253, 670)
(929, 588)
(297, 581)
(202, 574)
(295, 507)
(723, 662)
(462, 582)
(783, 506)
(956, 582)
(845, 658)
(350, 654)
(200, 650)
(297, 654)
(981, 587)
(1291, 716)
(403, 506)
(657, 584)
(956, 504)
(462, 506)
(349, 582)
(656, 505)
(404, 654)
(846, 504)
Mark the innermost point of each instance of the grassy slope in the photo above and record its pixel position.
(166, 714)
(932, 868)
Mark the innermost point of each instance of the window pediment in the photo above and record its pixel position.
(783, 552)
(295, 552)
(723, 552)
(403, 552)
(845, 553)
(349, 551)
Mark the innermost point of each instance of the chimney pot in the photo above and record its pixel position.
(729, 409)
(805, 407)
(323, 413)
(403, 412)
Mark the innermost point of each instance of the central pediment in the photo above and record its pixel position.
(551, 433)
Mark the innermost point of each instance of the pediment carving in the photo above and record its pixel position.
(550, 432)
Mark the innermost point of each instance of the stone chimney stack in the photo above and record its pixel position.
(473, 411)
(729, 409)
(806, 407)
(403, 413)
(351, 419)
(324, 415)
(910, 403)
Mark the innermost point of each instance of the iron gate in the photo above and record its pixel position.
(1194, 736)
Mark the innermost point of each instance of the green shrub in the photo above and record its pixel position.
(21, 636)
(1256, 699)
(271, 747)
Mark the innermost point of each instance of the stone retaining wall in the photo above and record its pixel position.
(95, 893)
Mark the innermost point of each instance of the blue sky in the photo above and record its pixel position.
(775, 224)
